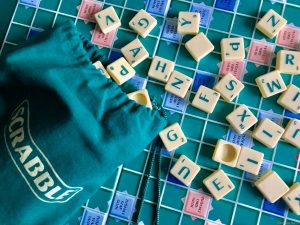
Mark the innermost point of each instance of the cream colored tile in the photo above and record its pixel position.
(270, 84)
(185, 170)
(172, 137)
(206, 99)
(199, 46)
(232, 49)
(290, 99)
(188, 23)
(141, 97)
(161, 69)
(108, 20)
(229, 87)
(143, 23)
(268, 133)
(292, 133)
(292, 198)
(178, 84)
(135, 52)
(226, 153)
(120, 71)
(271, 23)
(241, 119)
(271, 186)
(101, 68)
(288, 62)
(219, 184)
(250, 160)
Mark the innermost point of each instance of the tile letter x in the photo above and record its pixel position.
(244, 115)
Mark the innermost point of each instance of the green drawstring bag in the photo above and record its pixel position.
(64, 128)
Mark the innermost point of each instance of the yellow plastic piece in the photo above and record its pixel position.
(108, 20)
(161, 69)
(290, 99)
(241, 119)
(101, 68)
(268, 133)
(135, 52)
(185, 170)
(292, 133)
(288, 62)
(172, 137)
(270, 84)
(226, 153)
(199, 46)
(178, 84)
(271, 186)
(141, 97)
(120, 71)
(229, 87)
(292, 198)
(232, 49)
(188, 23)
(271, 23)
(250, 160)
(143, 23)
(219, 184)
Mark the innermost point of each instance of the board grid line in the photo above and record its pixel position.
(195, 71)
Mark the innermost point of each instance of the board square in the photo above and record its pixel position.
(235, 67)
(170, 30)
(205, 13)
(226, 4)
(158, 7)
(122, 205)
(102, 39)
(205, 79)
(88, 8)
(197, 203)
(277, 208)
(218, 20)
(261, 52)
(289, 36)
(30, 2)
(92, 216)
(174, 103)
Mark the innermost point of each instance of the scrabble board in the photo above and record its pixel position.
(115, 202)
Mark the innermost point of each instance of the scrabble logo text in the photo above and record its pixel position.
(31, 162)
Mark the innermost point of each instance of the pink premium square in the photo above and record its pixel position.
(210, 223)
(197, 204)
(88, 9)
(261, 52)
(236, 68)
(103, 39)
(289, 37)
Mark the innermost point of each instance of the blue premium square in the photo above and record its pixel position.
(229, 5)
(30, 2)
(240, 139)
(114, 55)
(277, 207)
(203, 79)
(91, 216)
(174, 103)
(138, 82)
(205, 13)
(292, 115)
(158, 7)
(123, 205)
(34, 31)
(170, 30)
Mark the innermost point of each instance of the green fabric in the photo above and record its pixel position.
(64, 128)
